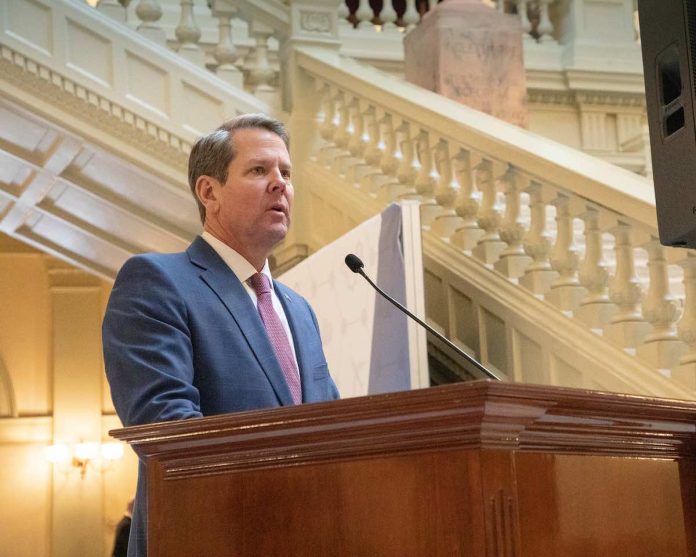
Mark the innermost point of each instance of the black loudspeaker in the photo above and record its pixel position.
(668, 41)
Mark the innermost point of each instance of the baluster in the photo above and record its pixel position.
(395, 188)
(545, 27)
(149, 13)
(329, 126)
(384, 163)
(467, 203)
(426, 179)
(489, 244)
(344, 134)
(371, 153)
(348, 136)
(261, 74)
(662, 348)
(595, 308)
(513, 261)
(188, 34)
(355, 143)
(370, 180)
(387, 163)
(363, 145)
(343, 14)
(685, 372)
(405, 171)
(411, 16)
(566, 291)
(388, 15)
(538, 276)
(446, 193)
(364, 14)
(225, 52)
(627, 327)
(524, 18)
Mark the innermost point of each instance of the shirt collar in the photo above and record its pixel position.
(234, 260)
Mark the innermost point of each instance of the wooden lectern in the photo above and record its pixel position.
(476, 469)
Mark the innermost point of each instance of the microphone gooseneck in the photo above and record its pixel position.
(356, 265)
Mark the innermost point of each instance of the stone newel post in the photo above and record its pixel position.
(473, 54)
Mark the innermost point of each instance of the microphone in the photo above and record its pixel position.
(356, 265)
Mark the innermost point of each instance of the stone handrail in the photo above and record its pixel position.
(571, 230)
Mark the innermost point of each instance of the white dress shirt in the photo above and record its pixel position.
(243, 269)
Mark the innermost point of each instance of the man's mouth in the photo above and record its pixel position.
(278, 207)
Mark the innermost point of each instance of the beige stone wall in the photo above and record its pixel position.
(53, 389)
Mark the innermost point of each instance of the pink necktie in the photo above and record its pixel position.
(276, 334)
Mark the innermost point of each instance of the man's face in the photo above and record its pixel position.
(251, 211)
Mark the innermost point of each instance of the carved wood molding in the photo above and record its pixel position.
(477, 415)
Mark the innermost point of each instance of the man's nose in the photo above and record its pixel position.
(277, 180)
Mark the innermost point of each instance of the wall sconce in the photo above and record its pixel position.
(83, 454)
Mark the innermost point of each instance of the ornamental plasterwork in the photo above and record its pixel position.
(94, 109)
(598, 98)
(315, 22)
(544, 96)
(605, 98)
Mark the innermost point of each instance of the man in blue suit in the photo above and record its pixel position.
(185, 334)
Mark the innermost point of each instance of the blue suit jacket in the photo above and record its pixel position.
(183, 339)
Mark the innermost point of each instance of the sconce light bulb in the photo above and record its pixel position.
(112, 450)
(57, 453)
(86, 451)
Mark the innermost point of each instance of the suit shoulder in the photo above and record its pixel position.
(154, 261)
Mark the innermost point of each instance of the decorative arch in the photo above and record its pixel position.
(7, 395)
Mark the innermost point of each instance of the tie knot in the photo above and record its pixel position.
(260, 283)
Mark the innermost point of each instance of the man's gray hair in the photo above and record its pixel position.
(212, 154)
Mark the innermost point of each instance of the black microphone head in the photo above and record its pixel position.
(354, 263)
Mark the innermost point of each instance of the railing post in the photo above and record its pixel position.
(545, 28)
(662, 348)
(364, 13)
(595, 308)
(225, 52)
(188, 34)
(513, 261)
(388, 15)
(537, 244)
(427, 178)
(627, 327)
(489, 245)
(446, 193)
(566, 291)
(411, 16)
(261, 74)
(467, 203)
(685, 372)
(149, 13)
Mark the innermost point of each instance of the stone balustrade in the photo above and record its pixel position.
(266, 20)
(577, 234)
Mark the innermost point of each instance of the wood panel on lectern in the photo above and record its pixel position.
(480, 469)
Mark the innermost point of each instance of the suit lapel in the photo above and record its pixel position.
(221, 280)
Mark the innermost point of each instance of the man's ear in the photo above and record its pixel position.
(206, 193)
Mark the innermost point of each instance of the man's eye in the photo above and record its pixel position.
(286, 174)
(258, 170)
